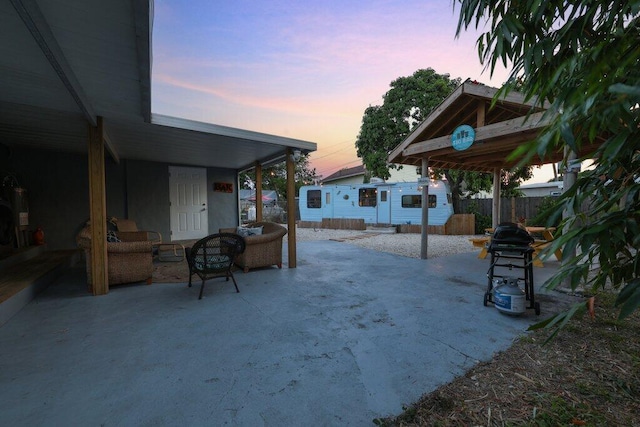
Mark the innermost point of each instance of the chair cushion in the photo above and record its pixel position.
(112, 237)
(249, 231)
(214, 262)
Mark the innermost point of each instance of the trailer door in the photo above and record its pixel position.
(383, 208)
(327, 203)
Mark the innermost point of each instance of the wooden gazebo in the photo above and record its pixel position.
(496, 131)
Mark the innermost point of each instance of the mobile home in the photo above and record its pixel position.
(376, 203)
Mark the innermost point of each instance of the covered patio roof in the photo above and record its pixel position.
(63, 66)
(76, 77)
(499, 130)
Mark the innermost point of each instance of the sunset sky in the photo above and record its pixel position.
(304, 70)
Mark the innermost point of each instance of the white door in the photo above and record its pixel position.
(327, 203)
(188, 196)
(383, 208)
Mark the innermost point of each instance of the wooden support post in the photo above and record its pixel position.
(258, 191)
(97, 210)
(495, 209)
(291, 209)
(424, 230)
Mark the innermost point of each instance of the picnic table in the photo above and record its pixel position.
(545, 235)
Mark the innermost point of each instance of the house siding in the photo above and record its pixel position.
(58, 193)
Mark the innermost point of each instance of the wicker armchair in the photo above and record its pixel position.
(129, 225)
(262, 250)
(130, 260)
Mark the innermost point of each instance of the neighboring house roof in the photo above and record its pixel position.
(345, 173)
(65, 65)
(550, 184)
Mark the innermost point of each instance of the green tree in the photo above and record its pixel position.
(407, 103)
(583, 58)
(275, 177)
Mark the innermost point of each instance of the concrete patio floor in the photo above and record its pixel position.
(348, 336)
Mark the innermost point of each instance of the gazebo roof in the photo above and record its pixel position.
(499, 130)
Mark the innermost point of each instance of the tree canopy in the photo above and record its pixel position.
(275, 177)
(407, 103)
(583, 58)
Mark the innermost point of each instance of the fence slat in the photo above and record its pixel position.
(525, 207)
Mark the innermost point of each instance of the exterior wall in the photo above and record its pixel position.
(223, 207)
(147, 200)
(437, 216)
(58, 193)
(344, 204)
(406, 174)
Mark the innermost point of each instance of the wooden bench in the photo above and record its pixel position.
(481, 242)
(539, 246)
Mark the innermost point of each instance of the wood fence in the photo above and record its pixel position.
(513, 209)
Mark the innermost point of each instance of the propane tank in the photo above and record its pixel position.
(508, 298)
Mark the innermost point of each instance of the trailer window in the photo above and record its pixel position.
(411, 201)
(314, 199)
(415, 201)
(383, 196)
(367, 197)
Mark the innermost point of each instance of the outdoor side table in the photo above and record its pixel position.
(170, 252)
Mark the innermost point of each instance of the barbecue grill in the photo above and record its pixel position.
(510, 248)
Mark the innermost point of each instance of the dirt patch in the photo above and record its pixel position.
(588, 375)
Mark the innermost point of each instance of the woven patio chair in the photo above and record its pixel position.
(213, 256)
(129, 225)
(130, 256)
(263, 250)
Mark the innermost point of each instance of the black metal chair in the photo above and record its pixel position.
(213, 256)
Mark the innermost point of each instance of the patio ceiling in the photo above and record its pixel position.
(499, 131)
(65, 64)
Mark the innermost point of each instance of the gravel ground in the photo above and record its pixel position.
(402, 244)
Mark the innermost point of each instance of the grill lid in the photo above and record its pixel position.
(509, 233)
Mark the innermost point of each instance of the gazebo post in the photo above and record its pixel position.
(424, 230)
(495, 209)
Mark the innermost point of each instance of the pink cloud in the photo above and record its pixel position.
(305, 71)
